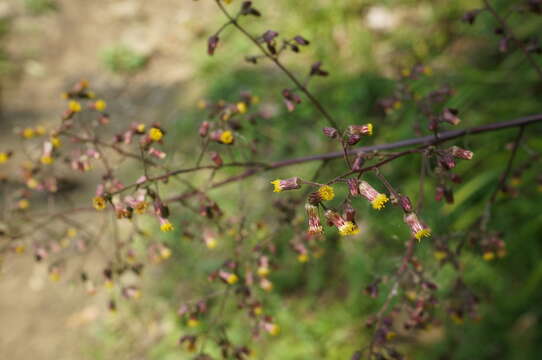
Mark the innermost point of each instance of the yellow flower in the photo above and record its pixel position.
(489, 255)
(263, 271)
(228, 1)
(141, 207)
(202, 104)
(397, 105)
(369, 129)
(390, 335)
(276, 184)
(427, 70)
(192, 322)
(74, 106)
(28, 133)
(258, 310)
(166, 226)
(405, 72)
(423, 233)
(156, 134)
(226, 137)
(273, 329)
(379, 201)
(326, 192)
(4, 157)
(303, 258)
(72, 232)
(20, 249)
(440, 255)
(266, 285)
(99, 203)
(232, 279)
(32, 183)
(24, 204)
(140, 128)
(47, 160)
(40, 130)
(211, 244)
(165, 253)
(241, 107)
(91, 94)
(348, 228)
(55, 141)
(100, 105)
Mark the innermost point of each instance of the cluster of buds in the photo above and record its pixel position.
(344, 226)
(355, 133)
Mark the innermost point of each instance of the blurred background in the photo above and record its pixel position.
(148, 60)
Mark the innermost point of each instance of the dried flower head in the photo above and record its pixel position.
(315, 227)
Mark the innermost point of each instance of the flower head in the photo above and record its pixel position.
(241, 107)
(226, 137)
(417, 228)
(47, 159)
(315, 227)
(4, 157)
(378, 200)
(99, 203)
(366, 129)
(286, 184)
(74, 106)
(100, 105)
(28, 133)
(345, 227)
(155, 134)
(326, 192)
(165, 225)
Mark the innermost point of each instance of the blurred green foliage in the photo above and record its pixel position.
(320, 305)
(40, 7)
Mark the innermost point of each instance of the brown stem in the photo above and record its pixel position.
(425, 141)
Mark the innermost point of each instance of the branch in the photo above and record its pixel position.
(424, 141)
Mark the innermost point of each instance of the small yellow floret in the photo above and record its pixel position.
(165, 253)
(156, 134)
(258, 310)
(326, 192)
(192, 322)
(276, 184)
(489, 255)
(211, 244)
(24, 204)
(74, 106)
(263, 271)
(28, 133)
(166, 227)
(273, 330)
(40, 130)
(423, 233)
(226, 137)
(369, 129)
(232, 279)
(4, 157)
(47, 160)
(440, 255)
(20, 249)
(140, 128)
(380, 201)
(303, 258)
(241, 107)
(32, 183)
(100, 105)
(55, 141)
(348, 228)
(99, 203)
(72, 232)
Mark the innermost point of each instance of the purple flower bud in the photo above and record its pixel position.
(405, 203)
(212, 44)
(460, 153)
(330, 132)
(450, 116)
(301, 40)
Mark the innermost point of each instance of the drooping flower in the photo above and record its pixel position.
(378, 200)
(417, 228)
(460, 153)
(366, 129)
(315, 227)
(4, 157)
(165, 225)
(286, 184)
(345, 227)
(241, 107)
(228, 277)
